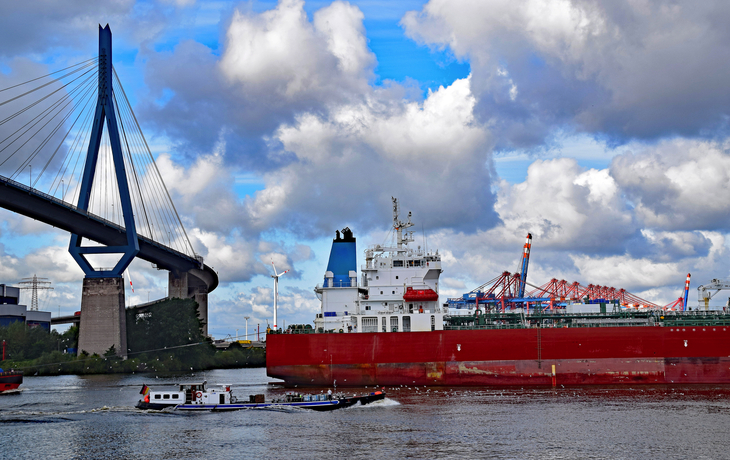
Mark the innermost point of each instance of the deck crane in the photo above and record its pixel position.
(703, 292)
(525, 263)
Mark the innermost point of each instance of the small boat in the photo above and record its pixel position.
(10, 380)
(198, 397)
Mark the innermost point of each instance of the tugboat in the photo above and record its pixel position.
(198, 397)
(10, 380)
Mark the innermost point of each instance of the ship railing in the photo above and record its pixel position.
(589, 324)
(337, 284)
(544, 326)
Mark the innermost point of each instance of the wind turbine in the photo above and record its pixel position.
(276, 289)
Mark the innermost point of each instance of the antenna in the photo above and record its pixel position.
(34, 284)
(276, 289)
(399, 226)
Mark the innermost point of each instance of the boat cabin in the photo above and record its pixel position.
(193, 393)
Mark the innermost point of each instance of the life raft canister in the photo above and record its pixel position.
(420, 295)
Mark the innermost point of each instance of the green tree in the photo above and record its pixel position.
(168, 336)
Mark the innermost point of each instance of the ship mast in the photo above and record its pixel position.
(399, 226)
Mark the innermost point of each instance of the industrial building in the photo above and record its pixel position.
(11, 312)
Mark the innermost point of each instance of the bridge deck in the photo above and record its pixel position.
(37, 205)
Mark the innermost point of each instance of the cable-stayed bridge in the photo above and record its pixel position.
(72, 155)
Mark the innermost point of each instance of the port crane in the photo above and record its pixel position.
(680, 303)
(508, 291)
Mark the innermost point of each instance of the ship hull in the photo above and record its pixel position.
(505, 357)
(10, 381)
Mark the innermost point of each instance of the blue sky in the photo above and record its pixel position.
(600, 127)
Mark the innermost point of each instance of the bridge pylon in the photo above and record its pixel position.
(103, 321)
(124, 213)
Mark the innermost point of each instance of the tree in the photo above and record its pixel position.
(170, 335)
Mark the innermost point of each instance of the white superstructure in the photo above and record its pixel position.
(398, 291)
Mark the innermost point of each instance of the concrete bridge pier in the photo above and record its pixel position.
(103, 322)
(189, 286)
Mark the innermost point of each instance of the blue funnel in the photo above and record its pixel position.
(343, 258)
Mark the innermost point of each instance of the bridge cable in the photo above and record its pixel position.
(129, 153)
(39, 117)
(81, 132)
(153, 182)
(49, 136)
(48, 75)
(44, 85)
(47, 139)
(44, 111)
(81, 112)
(149, 152)
(155, 187)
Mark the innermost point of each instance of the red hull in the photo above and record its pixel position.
(10, 381)
(564, 356)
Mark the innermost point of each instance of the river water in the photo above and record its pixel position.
(94, 417)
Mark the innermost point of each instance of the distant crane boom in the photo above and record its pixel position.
(525, 263)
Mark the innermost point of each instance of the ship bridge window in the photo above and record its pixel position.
(166, 396)
(414, 263)
(406, 324)
(175, 396)
(158, 396)
(370, 324)
(397, 263)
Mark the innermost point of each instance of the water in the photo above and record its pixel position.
(94, 417)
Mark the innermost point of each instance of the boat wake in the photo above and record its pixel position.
(387, 402)
(6, 416)
(16, 391)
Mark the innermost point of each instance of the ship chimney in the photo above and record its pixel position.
(343, 259)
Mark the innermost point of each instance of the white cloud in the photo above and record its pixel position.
(431, 155)
(678, 184)
(567, 207)
(233, 259)
(622, 67)
(281, 52)
(625, 271)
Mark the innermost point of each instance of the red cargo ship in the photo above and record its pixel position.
(390, 330)
(530, 356)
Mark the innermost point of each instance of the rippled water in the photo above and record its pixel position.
(94, 417)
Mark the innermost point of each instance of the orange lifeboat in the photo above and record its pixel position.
(420, 295)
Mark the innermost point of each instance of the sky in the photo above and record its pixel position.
(601, 127)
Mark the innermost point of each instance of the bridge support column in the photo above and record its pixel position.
(103, 321)
(188, 286)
